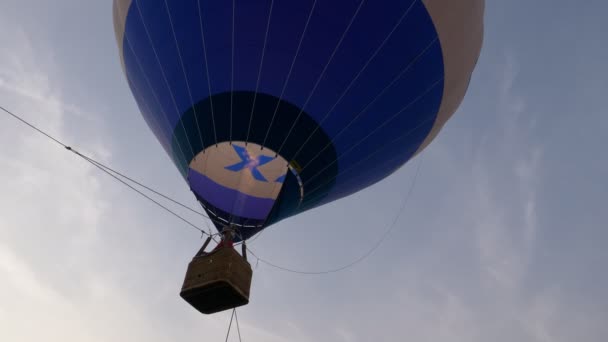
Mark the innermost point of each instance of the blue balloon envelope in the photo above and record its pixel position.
(269, 108)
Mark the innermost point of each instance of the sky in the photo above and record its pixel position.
(502, 239)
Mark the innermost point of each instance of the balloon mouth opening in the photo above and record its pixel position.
(238, 182)
(253, 172)
(295, 170)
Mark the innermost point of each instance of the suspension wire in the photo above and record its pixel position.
(232, 68)
(352, 167)
(370, 155)
(254, 98)
(162, 71)
(106, 170)
(156, 98)
(238, 199)
(33, 127)
(200, 15)
(356, 78)
(272, 191)
(181, 61)
(320, 78)
(150, 189)
(255, 237)
(147, 112)
(293, 63)
(109, 170)
(238, 329)
(143, 71)
(137, 93)
(276, 109)
(230, 325)
(376, 129)
(156, 192)
(370, 104)
(203, 232)
(274, 188)
(364, 256)
(257, 84)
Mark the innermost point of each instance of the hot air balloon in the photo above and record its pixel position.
(270, 108)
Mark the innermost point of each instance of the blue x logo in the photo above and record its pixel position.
(247, 162)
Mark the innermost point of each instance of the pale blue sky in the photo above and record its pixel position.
(504, 238)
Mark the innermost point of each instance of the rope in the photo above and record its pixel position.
(156, 192)
(232, 68)
(105, 169)
(234, 317)
(370, 155)
(238, 329)
(255, 95)
(365, 255)
(200, 15)
(369, 105)
(387, 121)
(113, 173)
(34, 127)
(158, 105)
(376, 129)
(257, 85)
(162, 71)
(314, 88)
(144, 108)
(230, 325)
(353, 167)
(181, 62)
(354, 80)
(293, 63)
(139, 192)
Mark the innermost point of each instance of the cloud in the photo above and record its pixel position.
(8, 84)
(51, 205)
(44, 182)
(464, 266)
(81, 258)
(507, 176)
(73, 263)
(506, 180)
(55, 284)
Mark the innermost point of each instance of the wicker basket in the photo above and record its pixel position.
(218, 281)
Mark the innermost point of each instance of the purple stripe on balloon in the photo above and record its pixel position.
(229, 200)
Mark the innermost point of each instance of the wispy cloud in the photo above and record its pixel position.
(507, 174)
(12, 85)
(506, 182)
(50, 223)
(73, 262)
(471, 281)
(83, 259)
(23, 76)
